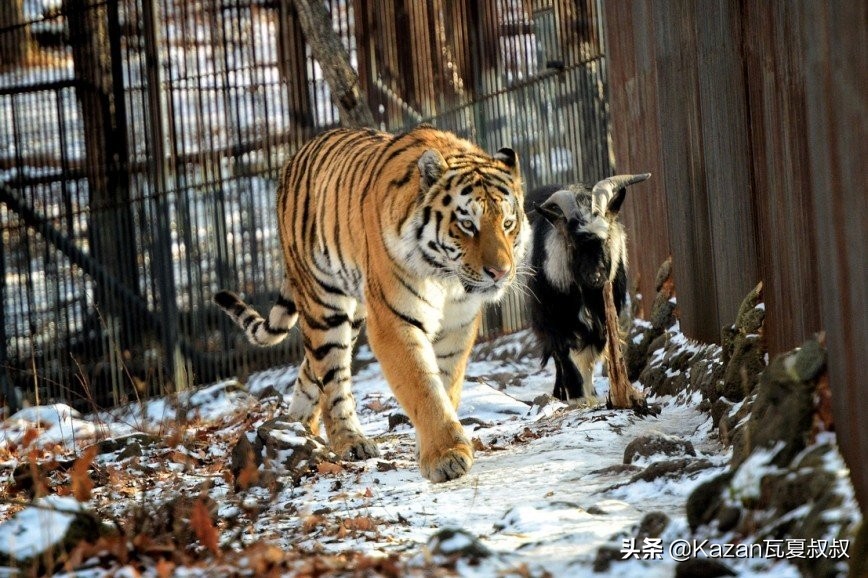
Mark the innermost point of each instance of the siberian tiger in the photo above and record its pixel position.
(414, 233)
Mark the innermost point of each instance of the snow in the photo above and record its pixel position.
(38, 527)
(542, 495)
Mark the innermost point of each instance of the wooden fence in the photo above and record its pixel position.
(752, 117)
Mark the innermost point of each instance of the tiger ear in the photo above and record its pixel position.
(432, 165)
(508, 157)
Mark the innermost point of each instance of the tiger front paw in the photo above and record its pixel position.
(444, 464)
(355, 448)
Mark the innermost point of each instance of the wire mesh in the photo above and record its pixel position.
(140, 142)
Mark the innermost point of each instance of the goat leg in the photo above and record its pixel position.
(568, 380)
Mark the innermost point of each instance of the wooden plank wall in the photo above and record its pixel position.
(836, 65)
(752, 116)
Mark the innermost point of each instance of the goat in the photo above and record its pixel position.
(578, 245)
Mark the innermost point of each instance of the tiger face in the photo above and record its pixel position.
(470, 225)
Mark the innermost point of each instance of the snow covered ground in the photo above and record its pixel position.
(548, 488)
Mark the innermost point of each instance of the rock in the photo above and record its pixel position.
(657, 444)
(170, 518)
(279, 449)
(455, 543)
(269, 392)
(720, 410)
(244, 464)
(652, 526)
(744, 348)
(615, 470)
(122, 444)
(642, 337)
(706, 371)
(705, 501)
(702, 568)
(728, 518)
(291, 446)
(681, 466)
(35, 539)
(397, 419)
(605, 556)
(784, 406)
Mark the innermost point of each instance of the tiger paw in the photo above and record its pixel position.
(442, 465)
(355, 448)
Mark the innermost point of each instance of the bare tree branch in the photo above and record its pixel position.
(316, 23)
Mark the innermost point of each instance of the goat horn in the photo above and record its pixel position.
(606, 189)
(563, 200)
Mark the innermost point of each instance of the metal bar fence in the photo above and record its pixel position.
(140, 142)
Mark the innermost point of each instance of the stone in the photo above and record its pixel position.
(455, 543)
(269, 392)
(705, 500)
(607, 554)
(702, 568)
(37, 537)
(122, 443)
(652, 526)
(680, 466)
(657, 443)
(744, 348)
(783, 409)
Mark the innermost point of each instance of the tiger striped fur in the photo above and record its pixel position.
(413, 233)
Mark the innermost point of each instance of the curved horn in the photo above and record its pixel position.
(560, 203)
(606, 189)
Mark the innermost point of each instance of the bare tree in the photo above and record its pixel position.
(316, 23)
(15, 42)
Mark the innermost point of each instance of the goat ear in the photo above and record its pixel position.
(551, 212)
(560, 206)
(432, 165)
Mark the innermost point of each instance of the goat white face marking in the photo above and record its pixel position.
(597, 225)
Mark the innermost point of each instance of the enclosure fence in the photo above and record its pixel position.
(140, 143)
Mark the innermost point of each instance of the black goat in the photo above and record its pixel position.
(578, 245)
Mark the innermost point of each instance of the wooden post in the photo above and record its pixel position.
(622, 394)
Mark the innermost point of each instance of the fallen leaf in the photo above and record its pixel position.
(203, 526)
(165, 568)
(329, 468)
(79, 477)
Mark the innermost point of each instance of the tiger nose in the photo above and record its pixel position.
(495, 272)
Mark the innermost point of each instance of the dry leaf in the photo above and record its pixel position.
(312, 522)
(328, 468)
(376, 405)
(82, 485)
(360, 524)
(29, 437)
(203, 526)
(165, 568)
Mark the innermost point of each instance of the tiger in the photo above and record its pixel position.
(410, 234)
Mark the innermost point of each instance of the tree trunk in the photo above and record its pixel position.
(316, 23)
(15, 40)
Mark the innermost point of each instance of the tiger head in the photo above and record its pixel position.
(470, 224)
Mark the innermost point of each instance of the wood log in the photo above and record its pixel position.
(622, 394)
